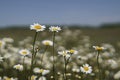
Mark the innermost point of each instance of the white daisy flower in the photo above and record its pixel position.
(64, 53)
(42, 71)
(18, 67)
(33, 77)
(37, 27)
(86, 69)
(24, 52)
(42, 78)
(55, 29)
(47, 43)
(98, 48)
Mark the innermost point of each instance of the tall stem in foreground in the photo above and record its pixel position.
(33, 53)
(43, 55)
(98, 65)
(53, 54)
(24, 68)
(23, 61)
(66, 61)
(65, 69)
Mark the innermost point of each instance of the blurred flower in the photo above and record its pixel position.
(117, 75)
(18, 67)
(7, 78)
(1, 59)
(7, 55)
(42, 78)
(27, 61)
(109, 47)
(2, 43)
(86, 69)
(73, 51)
(55, 29)
(37, 27)
(64, 53)
(42, 71)
(68, 74)
(47, 43)
(9, 40)
(98, 48)
(77, 76)
(76, 70)
(24, 52)
(112, 63)
(33, 77)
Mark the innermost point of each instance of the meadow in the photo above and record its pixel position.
(68, 55)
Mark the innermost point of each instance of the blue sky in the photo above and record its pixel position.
(93, 12)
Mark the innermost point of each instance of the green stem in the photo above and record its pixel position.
(98, 65)
(65, 69)
(43, 55)
(53, 54)
(33, 54)
(24, 68)
(35, 61)
(66, 63)
(23, 61)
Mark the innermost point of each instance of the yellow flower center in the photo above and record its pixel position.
(41, 70)
(33, 77)
(24, 52)
(99, 48)
(86, 68)
(47, 43)
(55, 29)
(72, 51)
(38, 27)
(17, 67)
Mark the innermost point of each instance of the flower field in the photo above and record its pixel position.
(59, 53)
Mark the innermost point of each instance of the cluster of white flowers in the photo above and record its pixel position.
(77, 56)
(39, 27)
